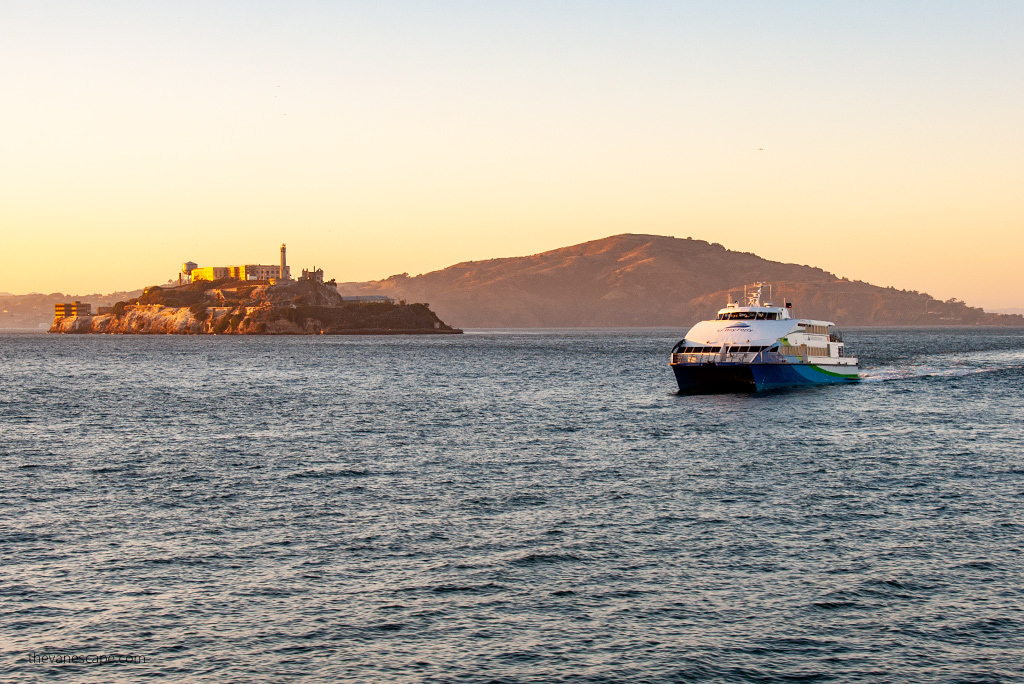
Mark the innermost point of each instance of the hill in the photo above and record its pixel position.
(650, 280)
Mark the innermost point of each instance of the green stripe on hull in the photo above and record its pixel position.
(838, 375)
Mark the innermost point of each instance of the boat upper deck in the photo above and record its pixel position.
(752, 313)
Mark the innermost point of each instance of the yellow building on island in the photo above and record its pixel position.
(193, 273)
(75, 308)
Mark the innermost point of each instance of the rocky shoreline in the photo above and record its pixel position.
(231, 307)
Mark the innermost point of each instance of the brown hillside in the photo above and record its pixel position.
(650, 280)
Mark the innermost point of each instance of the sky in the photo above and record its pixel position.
(881, 141)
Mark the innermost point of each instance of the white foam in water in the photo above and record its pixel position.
(948, 365)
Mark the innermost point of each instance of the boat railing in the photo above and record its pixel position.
(694, 358)
(681, 358)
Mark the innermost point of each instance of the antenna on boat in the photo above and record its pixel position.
(754, 298)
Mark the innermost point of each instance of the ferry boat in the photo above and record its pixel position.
(758, 346)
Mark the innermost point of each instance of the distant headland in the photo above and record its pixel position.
(633, 280)
(253, 299)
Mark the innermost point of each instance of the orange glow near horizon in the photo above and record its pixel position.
(881, 144)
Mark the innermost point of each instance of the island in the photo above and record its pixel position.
(235, 306)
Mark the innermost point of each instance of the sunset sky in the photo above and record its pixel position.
(882, 141)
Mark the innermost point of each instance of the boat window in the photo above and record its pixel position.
(746, 349)
(697, 350)
(773, 316)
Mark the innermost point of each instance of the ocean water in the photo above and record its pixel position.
(506, 507)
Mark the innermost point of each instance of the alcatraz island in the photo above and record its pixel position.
(253, 299)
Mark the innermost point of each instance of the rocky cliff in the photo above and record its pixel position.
(232, 307)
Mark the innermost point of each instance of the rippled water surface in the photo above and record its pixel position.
(508, 507)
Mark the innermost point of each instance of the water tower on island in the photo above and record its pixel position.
(185, 276)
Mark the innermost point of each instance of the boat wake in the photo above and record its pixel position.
(948, 365)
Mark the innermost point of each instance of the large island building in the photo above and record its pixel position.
(75, 308)
(190, 271)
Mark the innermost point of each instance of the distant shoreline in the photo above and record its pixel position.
(482, 331)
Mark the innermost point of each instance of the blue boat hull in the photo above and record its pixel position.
(708, 378)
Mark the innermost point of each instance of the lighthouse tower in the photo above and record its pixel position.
(283, 275)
